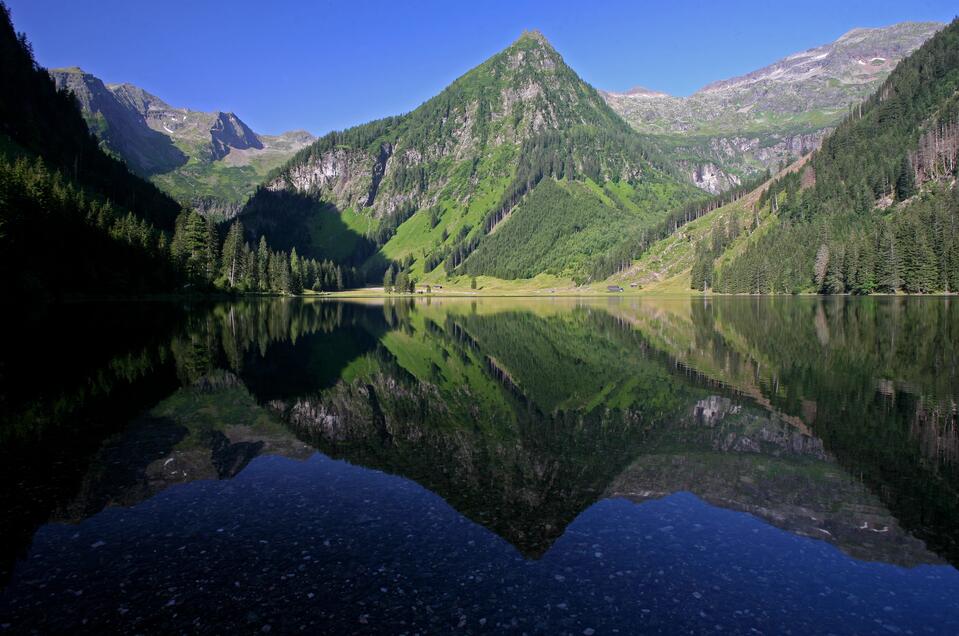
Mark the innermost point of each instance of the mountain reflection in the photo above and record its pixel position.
(830, 419)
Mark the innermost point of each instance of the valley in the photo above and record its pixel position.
(520, 177)
(470, 343)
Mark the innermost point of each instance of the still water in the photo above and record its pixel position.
(554, 466)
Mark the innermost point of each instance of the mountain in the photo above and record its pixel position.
(72, 218)
(75, 221)
(517, 169)
(211, 161)
(740, 126)
(876, 209)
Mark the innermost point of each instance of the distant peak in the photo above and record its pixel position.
(642, 91)
(534, 36)
(75, 70)
(892, 28)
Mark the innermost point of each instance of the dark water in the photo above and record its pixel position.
(543, 466)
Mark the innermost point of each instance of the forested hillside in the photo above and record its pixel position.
(876, 209)
(74, 220)
(425, 190)
(71, 217)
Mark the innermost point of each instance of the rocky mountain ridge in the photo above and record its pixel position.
(743, 125)
(210, 160)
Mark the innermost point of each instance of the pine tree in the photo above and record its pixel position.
(919, 270)
(834, 283)
(864, 277)
(296, 273)
(210, 251)
(888, 268)
(263, 265)
(906, 181)
(249, 268)
(283, 283)
(231, 269)
(388, 280)
(402, 282)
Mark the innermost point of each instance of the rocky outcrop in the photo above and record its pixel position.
(379, 169)
(343, 174)
(215, 208)
(720, 163)
(709, 177)
(228, 132)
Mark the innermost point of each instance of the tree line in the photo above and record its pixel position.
(57, 237)
(231, 263)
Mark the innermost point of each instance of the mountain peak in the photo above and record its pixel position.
(533, 35)
(893, 30)
(69, 70)
(533, 39)
(642, 91)
(139, 99)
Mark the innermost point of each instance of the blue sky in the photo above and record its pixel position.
(324, 65)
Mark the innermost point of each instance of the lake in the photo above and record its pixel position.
(579, 466)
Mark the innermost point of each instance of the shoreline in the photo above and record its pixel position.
(373, 293)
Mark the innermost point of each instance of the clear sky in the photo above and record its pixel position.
(322, 65)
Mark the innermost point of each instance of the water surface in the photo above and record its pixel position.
(528, 466)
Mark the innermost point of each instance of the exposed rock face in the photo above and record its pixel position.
(216, 135)
(750, 123)
(215, 208)
(709, 177)
(123, 130)
(345, 175)
(228, 132)
(158, 140)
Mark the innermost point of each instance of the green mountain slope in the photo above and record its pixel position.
(209, 161)
(424, 190)
(717, 232)
(875, 210)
